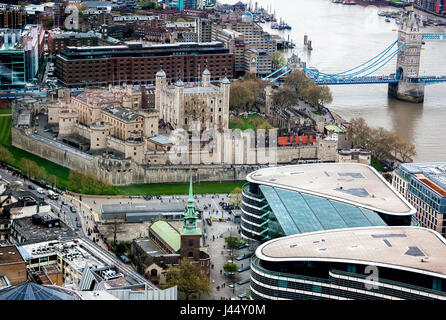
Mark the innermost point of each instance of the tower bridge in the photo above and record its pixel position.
(405, 84)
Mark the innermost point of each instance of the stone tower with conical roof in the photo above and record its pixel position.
(191, 232)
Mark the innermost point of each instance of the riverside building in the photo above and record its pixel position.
(424, 186)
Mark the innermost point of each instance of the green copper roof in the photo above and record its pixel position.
(167, 233)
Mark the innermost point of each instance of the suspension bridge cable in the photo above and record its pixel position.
(378, 57)
(383, 61)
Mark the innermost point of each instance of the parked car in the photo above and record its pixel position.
(40, 190)
(73, 209)
(31, 187)
(64, 202)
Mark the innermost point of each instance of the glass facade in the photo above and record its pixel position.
(271, 212)
(12, 68)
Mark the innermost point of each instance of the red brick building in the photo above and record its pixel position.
(136, 63)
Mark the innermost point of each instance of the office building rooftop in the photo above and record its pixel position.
(414, 248)
(351, 183)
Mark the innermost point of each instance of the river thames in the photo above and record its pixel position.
(344, 37)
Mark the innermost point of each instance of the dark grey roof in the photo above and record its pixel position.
(142, 207)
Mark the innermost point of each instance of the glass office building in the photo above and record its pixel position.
(288, 200)
(12, 68)
(378, 263)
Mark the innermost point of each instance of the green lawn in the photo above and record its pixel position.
(5, 130)
(62, 172)
(253, 121)
(50, 167)
(5, 111)
(183, 188)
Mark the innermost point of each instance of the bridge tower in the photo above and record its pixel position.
(408, 62)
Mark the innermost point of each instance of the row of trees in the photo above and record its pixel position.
(77, 181)
(298, 85)
(382, 143)
(88, 183)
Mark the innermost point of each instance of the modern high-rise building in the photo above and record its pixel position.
(424, 186)
(378, 263)
(20, 55)
(297, 199)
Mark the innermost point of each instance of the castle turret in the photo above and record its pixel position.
(206, 78)
(160, 85)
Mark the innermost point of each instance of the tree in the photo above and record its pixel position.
(405, 151)
(297, 80)
(278, 59)
(317, 95)
(232, 243)
(382, 143)
(359, 133)
(189, 278)
(285, 97)
(52, 179)
(230, 267)
(236, 197)
(31, 169)
(246, 93)
(5, 155)
(75, 179)
(115, 228)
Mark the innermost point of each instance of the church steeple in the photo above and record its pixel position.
(190, 216)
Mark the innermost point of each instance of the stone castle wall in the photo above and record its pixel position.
(127, 172)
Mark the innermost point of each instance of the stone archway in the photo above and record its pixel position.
(400, 73)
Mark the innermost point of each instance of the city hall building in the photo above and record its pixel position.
(379, 263)
(297, 199)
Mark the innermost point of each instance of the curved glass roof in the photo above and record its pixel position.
(32, 291)
(352, 183)
(298, 212)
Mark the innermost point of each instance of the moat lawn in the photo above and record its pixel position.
(62, 173)
(5, 111)
(179, 188)
(51, 168)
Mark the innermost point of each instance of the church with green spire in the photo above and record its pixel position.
(191, 233)
(190, 226)
(181, 242)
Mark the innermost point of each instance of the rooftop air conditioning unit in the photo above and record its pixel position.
(425, 259)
